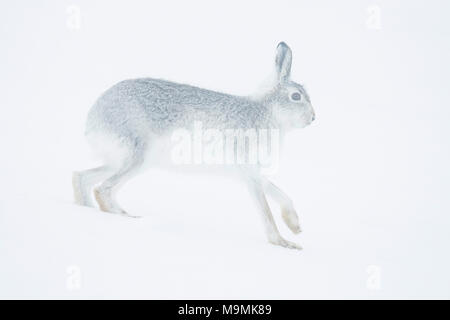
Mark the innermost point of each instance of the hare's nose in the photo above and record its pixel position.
(313, 117)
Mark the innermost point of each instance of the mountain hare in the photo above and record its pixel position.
(134, 122)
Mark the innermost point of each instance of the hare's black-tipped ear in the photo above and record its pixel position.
(283, 61)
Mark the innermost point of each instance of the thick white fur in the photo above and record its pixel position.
(130, 127)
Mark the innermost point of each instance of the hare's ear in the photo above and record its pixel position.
(283, 62)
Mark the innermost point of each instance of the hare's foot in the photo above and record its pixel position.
(83, 182)
(291, 219)
(279, 241)
(106, 202)
(104, 194)
(126, 214)
(79, 191)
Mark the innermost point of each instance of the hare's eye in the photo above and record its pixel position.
(296, 96)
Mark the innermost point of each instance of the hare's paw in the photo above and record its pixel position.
(79, 189)
(126, 214)
(107, 204)
(279, 241)
(291, 219)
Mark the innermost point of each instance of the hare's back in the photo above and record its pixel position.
(141, 105)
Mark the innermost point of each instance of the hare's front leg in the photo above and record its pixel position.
(288, 212)
(273, 235)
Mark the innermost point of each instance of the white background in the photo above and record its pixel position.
(370, 177)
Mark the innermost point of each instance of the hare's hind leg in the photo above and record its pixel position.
(105, 193)
(84, 181)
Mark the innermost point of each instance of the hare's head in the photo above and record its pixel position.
(290, 102)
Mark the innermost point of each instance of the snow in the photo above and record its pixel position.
(369, 178)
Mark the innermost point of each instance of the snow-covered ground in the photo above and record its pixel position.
(370, 178)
